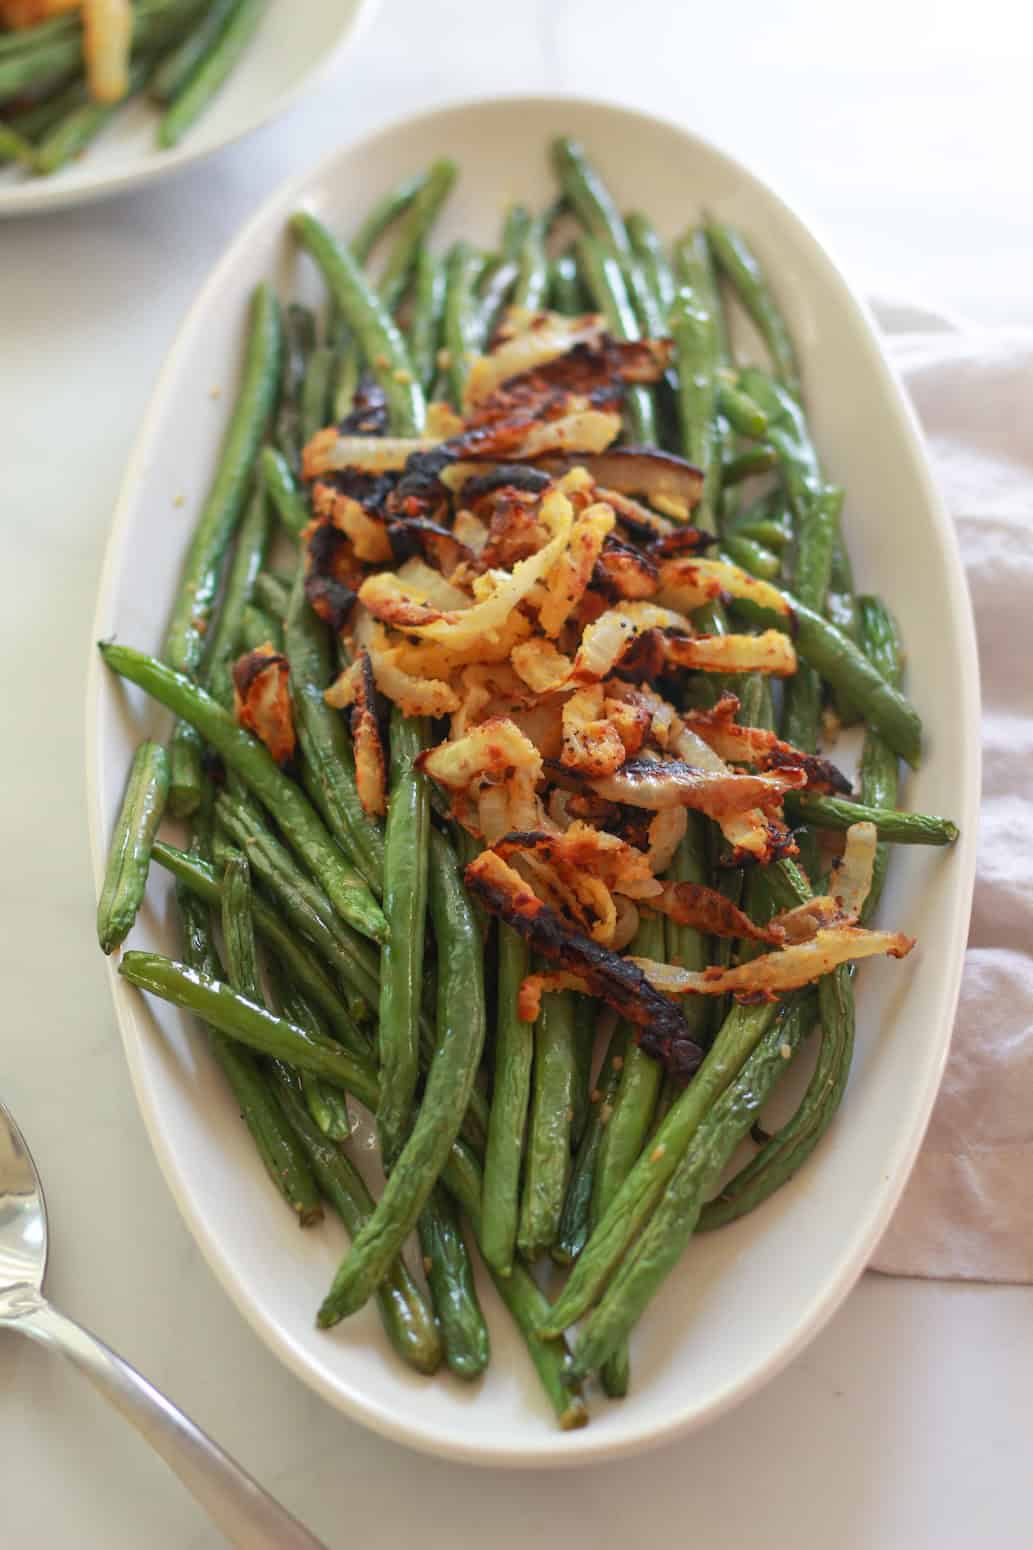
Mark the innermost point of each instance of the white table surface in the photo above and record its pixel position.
(908, 1421)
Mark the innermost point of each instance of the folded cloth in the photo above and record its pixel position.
(967, 1212)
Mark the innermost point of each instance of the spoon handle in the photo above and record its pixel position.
(247, 1515)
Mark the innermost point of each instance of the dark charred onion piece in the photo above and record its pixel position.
(435, 543)
(685, 540)
(519, 476)
(822, 775)
(660, 1028)
(624, 572)
(328, 593)
(693, 904)
(369, 416)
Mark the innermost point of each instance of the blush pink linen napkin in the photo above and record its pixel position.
(967, 1212)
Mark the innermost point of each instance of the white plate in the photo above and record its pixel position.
(744, 1300)
(296, 43)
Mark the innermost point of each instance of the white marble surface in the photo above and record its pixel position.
(907, 1423)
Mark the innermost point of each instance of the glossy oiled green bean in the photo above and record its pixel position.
(901, 828)
(634, 1202)
(450, 1278)
(248, 1023)
(747, 465)
(406, 841)
(603, 278)
(507, 1121)
(272, 594)
(384, 214)
(839, 662)
(370, 321)
(649, 250)
(15, 147)
(179, 63)
(462, 326)
(684, 946)
(573, 1230)
(72, 134)
(526, 1302)
(420, 215)
(212, 72)
(290, 504)
(427, 313)
(460, 1040)
(879, 772)
(283, 1161)
(299, 340)
(564, 286)
(129, 855)
(202, 567)
(305, 971)
(494, 292)
(816, 528)
(586, 1018)
(548, 1159)
(316, 392)
(695, 346)
(743, 413)
(664, 1239)
(298, 820)
(589, 196)
(257, 628)
(245, 568)
(532, 283)
(749, 555)
(407, 1320)
(736, 260)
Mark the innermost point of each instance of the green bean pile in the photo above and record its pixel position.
(329, 954)
(183, 52)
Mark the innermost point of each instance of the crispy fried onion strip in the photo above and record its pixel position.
(490, 751)
(693, 904)
(534, 986)
(647, 783)
(531, 341)
(583, 848)
(541, 665)
(586, 430)
(262, 701)
(849, 885)
(720, 731)
(328, 452)
(769, 652)
(370, 757)
(591, 743)
(605, 641)
(687, 583)
(568, 579)
(772, 974)
(659, 1026)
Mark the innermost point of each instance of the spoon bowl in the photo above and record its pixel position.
(23, 1212)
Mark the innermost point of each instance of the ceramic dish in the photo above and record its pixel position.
(745, 1299)
(293, 47)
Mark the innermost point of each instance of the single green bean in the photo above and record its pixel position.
(745, 551)
(565, 286)
(370, 321)
(548, 1160)
(507, 1121)
(202, 568)
(406, 840)
(591, 199)
(249, 1023)
(211, 73)
(743, 413)
(180, 62)
(747, 465)
(462, 329)
(288, 500)
(315, 395)
(70, 136)
(427, 313)
(586, 1017)
(532, 283)
(801, 715)
(461, 1020)
(695, 346)
(649, 250)
(603, 279)
(272, 595)
(574, 1223)
(879, 773)
(257, 628)
(900, 828)
(129, 855)
(450, 1278)
(738, 263)
(419, 217)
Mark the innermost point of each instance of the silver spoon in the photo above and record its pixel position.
(247, 1515)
